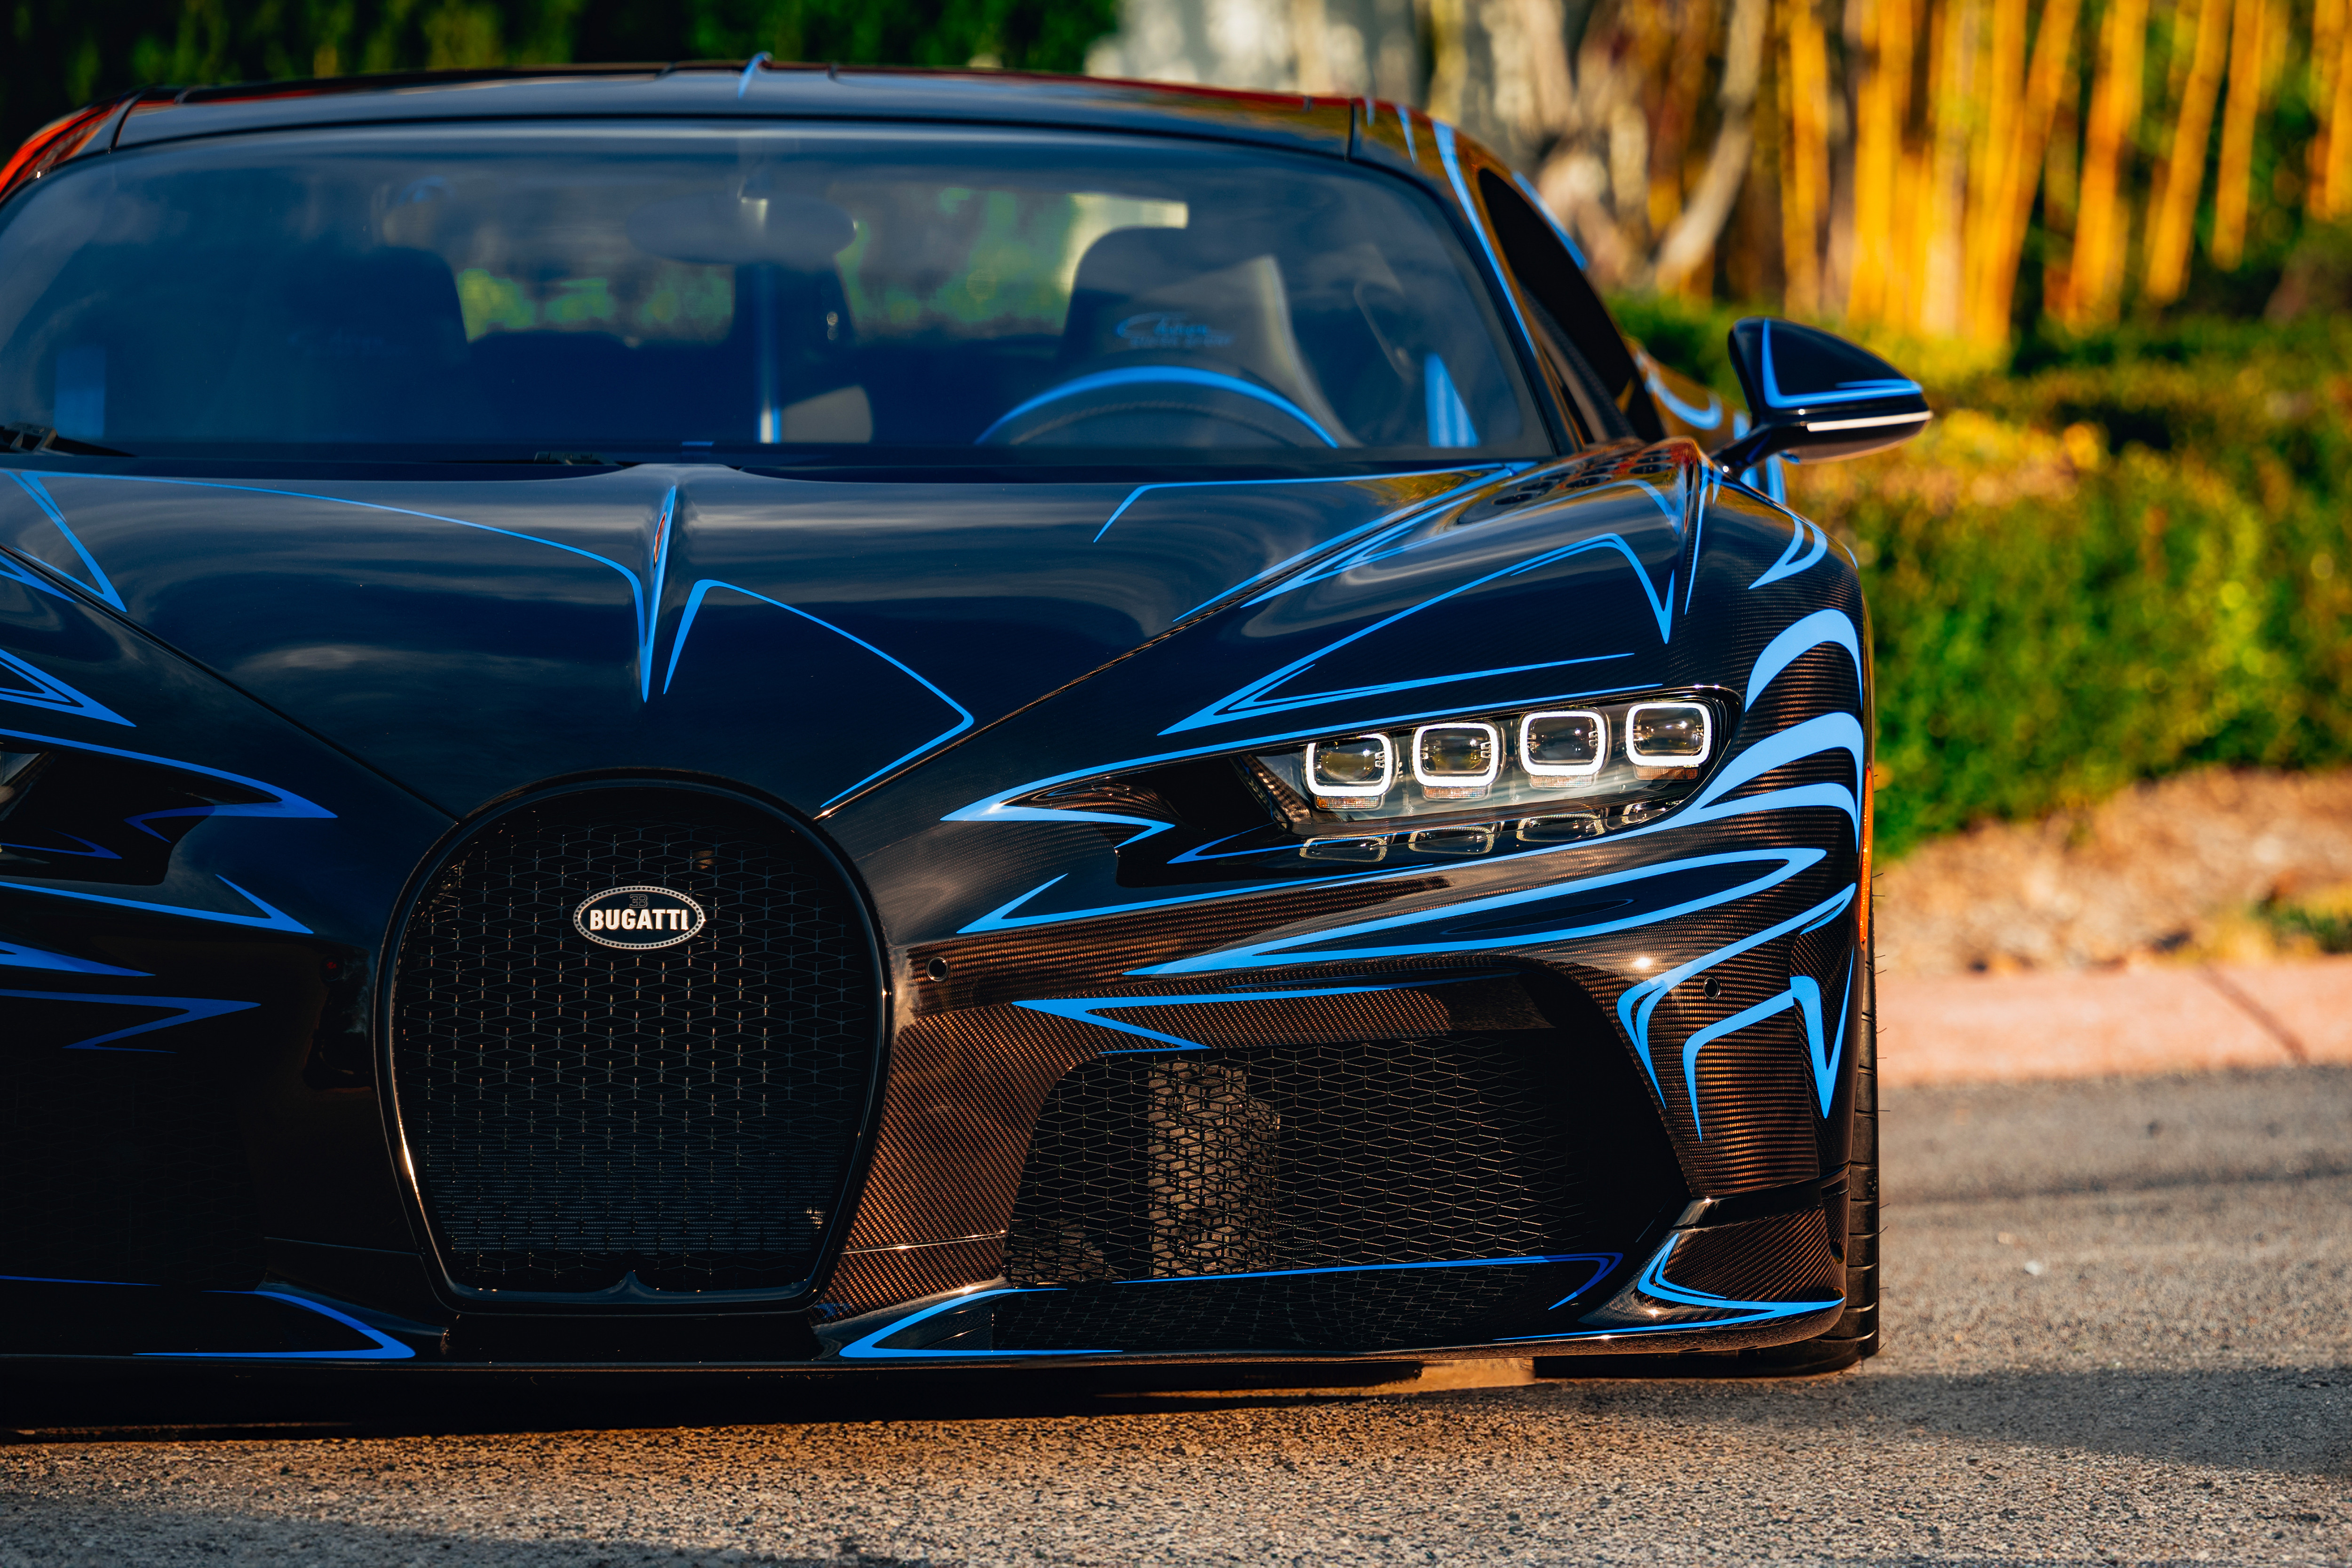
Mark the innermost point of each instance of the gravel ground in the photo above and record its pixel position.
(2117, 1335)
(2167, 866)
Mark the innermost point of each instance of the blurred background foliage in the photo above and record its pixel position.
(2122, 556)
(2114, 237)
(64, 53)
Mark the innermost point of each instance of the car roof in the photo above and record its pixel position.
(757, 89)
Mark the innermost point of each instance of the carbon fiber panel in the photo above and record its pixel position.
(1057, 959)
(1784, 1258)
(864, 1281)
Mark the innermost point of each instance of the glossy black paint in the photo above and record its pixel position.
(337, 666)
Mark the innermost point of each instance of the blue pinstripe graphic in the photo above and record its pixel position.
(98, 582)
(55, 694)
(185, 1009)
(686, 625)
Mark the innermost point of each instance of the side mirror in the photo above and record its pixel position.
(1815, 396)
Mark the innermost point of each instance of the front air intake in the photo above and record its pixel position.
(587, 1119)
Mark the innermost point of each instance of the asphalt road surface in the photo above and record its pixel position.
(2119, 1335)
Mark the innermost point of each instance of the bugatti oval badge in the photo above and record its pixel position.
(639, 917)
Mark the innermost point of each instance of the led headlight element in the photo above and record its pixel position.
(1563, 743)
(1360, 767)
(1668, 734)
(1464, 839)
(1542, 775)
(1456, 761)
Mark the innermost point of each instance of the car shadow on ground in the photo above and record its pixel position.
(2282, 1419)
(2289, 1420)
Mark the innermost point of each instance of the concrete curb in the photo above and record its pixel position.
(2131, 1021)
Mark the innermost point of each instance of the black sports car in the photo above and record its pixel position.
(818, 717)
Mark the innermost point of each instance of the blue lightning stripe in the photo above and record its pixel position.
(871, 1348)
(636, 584)
(55, 694)
(1845, 392)
(269, 919)
(1790, 564)
(185, 1010)
(15, 955)
(1822, 626)
(686, 625)
(1534, 198)
(386, 1348)
(649, 622)
(1654, 1282)
(1478, 225)
(1808, 993)
(1322, 946)
(1370, 550)
(1639, 1002)
(98, 582)
(1084, 1009)
(281, 803)
(1247, 701)
(1704, 1038)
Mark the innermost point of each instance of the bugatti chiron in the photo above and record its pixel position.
(828, 718)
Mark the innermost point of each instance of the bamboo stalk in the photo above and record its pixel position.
(2172, 225)
(2231, 179)
(2045, 81)
(2061, 191)
(1953, 71)
(1804, 152)
(1993, 172)
(2337, 182)
(1883, 108)
(2096, 283)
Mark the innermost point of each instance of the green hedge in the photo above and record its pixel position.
(2128, 560)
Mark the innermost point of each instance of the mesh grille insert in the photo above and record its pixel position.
(1267, 1161)
(580, 1112)
(1302, 1157)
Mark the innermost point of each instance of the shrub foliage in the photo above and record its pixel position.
(2127, 557)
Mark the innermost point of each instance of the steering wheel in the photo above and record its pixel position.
(1156, 405)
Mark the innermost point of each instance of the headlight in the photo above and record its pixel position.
(1469, 785)
(1474, 784)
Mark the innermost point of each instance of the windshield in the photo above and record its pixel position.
(774, 295)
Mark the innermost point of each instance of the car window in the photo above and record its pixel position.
(1568, 306)
(789, 291)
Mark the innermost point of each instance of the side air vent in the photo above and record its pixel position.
(619, 1122)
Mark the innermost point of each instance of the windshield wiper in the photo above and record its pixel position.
(41, 438)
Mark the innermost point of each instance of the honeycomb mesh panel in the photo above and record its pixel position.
(1167, 1167)
(1316, 1314)
(580, 1113)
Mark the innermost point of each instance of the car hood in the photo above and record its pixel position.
(472, 636)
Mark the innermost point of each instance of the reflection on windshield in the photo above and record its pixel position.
(495, 291)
